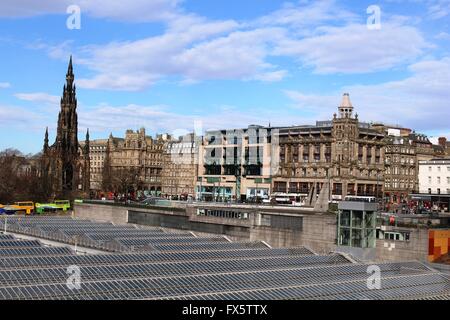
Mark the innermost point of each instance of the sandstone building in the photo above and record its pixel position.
(134, 162)
(345, 153)
(404, 150)
(179, 171)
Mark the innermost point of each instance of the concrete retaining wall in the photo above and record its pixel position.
(414, 249)
(318, 233)
(101, 213)
(185, 223)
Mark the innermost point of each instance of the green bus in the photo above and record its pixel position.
(63, 204)
(57, 205)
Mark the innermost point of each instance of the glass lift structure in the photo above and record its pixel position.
(357, 224)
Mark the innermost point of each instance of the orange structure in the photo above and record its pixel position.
(438, 243)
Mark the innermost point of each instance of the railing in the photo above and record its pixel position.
(59, 236)
(132, 205)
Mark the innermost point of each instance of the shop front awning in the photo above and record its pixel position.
(423, 197)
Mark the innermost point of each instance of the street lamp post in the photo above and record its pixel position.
(256, 191)
(75, 239)
(218, 189)
(201, 189)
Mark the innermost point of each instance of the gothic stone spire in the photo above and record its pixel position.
(86, 143)
(46, 140)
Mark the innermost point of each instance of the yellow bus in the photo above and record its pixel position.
(27, 206)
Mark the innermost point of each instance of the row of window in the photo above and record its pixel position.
(396, 184)
(430, 168)
(438, 191)
(397, 159)
(179, 174)
(134, 162)
(223, 214)
(438, 180)
(401, 170)
(96, 157)
(392, 149)
(97, 148)
(306, 158)
(392, 235)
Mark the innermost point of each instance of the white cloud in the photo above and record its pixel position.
(39, 97)
(239, 55)
(117, 81)
(443, 36)
(26, 8)
(356, 49)
(438, 9)
(42, 103)
(420, 101)
(203, 50)
(60, 51)
(155, 118)
(195, 49)
(433, 9)
(271, 76)
(17, 117)
(311, 103)
(304, 14)
(131, 10)
(103, 118)
(161, 119)
(4, 85)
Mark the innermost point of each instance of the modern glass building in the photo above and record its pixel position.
(357, 224)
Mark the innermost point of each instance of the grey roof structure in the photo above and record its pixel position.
(180, 265)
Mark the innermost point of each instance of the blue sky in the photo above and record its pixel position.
(167, 64)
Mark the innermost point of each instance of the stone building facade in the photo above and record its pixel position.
(400, 169)
(97, 153)
(65, 165)
(180, 170)
(442, 149)
(138, 155)
(434, 176)
(404, 150)
(345, 153)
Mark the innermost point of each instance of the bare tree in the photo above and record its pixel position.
(107, 173)
(20, 178)
(9, 174)
(125, 179)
